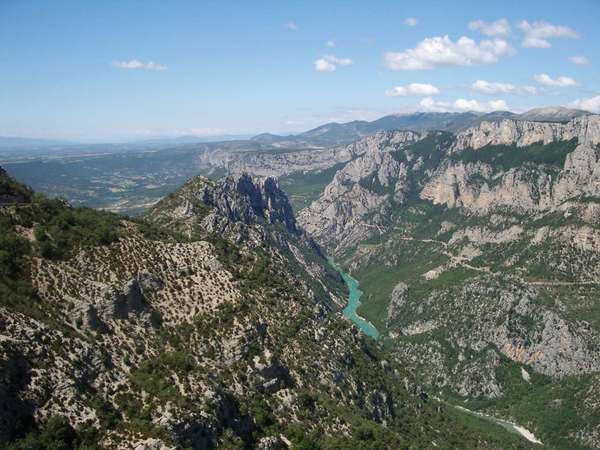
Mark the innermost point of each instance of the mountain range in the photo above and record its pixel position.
(339, 133)
(325, 135)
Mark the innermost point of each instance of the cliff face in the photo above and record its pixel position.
(389, 169)
(529, 187)
(482, 187)
(355, 204)
(222, 207)
(244, 199)
(522, 133)
(277, 163)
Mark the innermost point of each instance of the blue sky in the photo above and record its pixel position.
(102, 70)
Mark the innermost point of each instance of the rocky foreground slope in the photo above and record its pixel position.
(479, 256)
(211, 323)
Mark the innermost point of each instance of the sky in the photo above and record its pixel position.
(87, 70)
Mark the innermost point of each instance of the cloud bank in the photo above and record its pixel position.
(499, 28)
(546, 80)
(462, 105)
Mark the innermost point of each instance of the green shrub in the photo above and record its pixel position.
(55, 434)
(506, 157)
(69, 228)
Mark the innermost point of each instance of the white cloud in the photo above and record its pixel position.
(473, 105)
(589, 104)
(291, 26)
(322, 65)
(546, 80)
(429, 104)
(411, 21)
(339, 61)
(462, 105)
(492, 88)
(329, 63)
(579, 60)
(498, 105)
(442, 51)
(137, 64)
(330, 44)
(500, 28)
(412, 89)
(467, 105)
(486, 87)
(537, 34)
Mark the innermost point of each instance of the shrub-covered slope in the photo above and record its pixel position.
(213, 327)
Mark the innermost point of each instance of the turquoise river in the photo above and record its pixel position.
(354, 302)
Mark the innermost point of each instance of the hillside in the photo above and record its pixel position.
(211, 323)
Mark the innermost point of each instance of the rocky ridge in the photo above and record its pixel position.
(522, 133)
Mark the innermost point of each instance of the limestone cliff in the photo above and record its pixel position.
(355, 204)
(522, 133)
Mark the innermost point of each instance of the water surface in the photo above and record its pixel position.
(354, 302)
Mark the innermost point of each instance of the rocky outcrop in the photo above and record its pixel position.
(225, 207)
(245, 199)
(354, 205)
(112, 303)
(397, 301)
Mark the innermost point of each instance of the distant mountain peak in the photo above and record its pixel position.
(552, 114)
